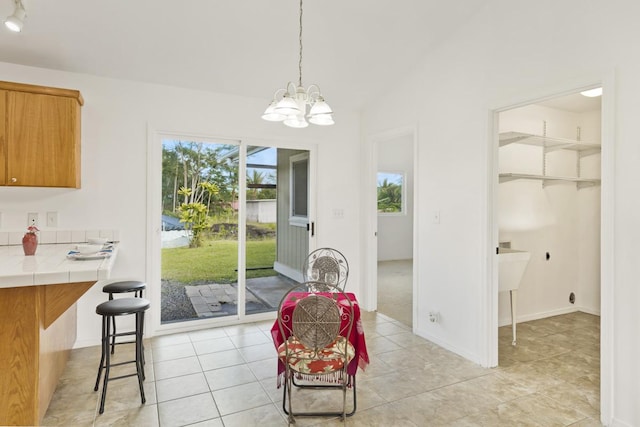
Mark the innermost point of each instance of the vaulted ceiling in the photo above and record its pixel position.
(353, 49)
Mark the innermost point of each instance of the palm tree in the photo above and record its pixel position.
(389, 197)
(254, 183)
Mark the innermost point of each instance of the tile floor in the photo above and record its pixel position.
(226, 377)
(395, 290)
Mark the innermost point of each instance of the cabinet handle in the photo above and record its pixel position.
(14, 179)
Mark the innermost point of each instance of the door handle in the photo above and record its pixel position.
(312, 227)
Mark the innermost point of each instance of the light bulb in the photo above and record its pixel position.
(15, 21)
(296, 121)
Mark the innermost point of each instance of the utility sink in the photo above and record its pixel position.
(511, 266)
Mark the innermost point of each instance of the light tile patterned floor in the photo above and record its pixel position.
(395, 290)
(226, 377)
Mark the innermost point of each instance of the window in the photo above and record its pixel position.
(299, 170)
(391, 196)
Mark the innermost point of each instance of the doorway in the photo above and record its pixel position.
(277, 222)
(224, 242)
(394, 195)
(549, 226)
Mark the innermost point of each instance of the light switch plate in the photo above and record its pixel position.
(52, 219)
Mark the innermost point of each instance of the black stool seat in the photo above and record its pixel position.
(109, 310)
(123, 306)
(125, 286)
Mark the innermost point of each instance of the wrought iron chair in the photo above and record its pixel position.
(326, 265)
(316, 327)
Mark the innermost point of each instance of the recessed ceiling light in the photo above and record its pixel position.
(592, 93)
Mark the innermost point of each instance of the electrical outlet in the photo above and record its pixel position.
(32, 219)
(434, 317)
(52, 219)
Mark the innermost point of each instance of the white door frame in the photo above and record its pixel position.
(370, 300)
(154, 177)
(607, 228)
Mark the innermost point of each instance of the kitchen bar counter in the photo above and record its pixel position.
(49, 265)
(38, 321)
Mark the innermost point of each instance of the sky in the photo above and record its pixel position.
(391, 177)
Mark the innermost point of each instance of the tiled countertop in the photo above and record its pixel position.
(50, 265)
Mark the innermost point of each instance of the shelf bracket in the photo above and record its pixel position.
(578, 138)
(544, 153)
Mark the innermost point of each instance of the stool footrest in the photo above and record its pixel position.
(119, 364)
(123, 334)
(122, 376)
(126, 342)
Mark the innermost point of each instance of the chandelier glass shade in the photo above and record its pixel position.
(294, 105)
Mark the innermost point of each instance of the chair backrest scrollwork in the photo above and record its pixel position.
(326, 265)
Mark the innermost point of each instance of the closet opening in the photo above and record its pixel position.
(549, 250)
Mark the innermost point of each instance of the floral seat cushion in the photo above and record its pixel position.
(329, 359)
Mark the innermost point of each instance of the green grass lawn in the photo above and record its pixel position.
(216, 261)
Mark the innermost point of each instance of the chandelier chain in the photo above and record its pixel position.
(293, 105)
(300, 56)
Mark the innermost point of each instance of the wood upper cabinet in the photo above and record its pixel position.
(39, 136)
(3, 137)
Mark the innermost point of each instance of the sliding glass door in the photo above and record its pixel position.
(276, 239)
(235, 227)
(199, 273)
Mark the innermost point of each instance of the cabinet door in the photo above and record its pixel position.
(3, 137)
(43, 140)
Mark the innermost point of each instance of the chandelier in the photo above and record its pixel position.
(290, 104)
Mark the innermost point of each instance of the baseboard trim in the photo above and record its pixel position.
(544, 314)
(447, 346)
(86, 343)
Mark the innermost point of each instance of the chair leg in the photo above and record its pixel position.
(284, 395)
(113, 320)
(107, 366)
(289, 383)
(144, 376)
(291, 419)
(105, 346)
(113, 339)
(344, 404)
(138, 294)
(352, 381)
(139, 364)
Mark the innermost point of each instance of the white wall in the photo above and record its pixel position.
(589, 221)
(513, 53)
(262, 211)
(558, 219)
(395, 232)
(114, 167)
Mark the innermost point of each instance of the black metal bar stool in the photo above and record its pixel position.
(121, 287)
(109, 310)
